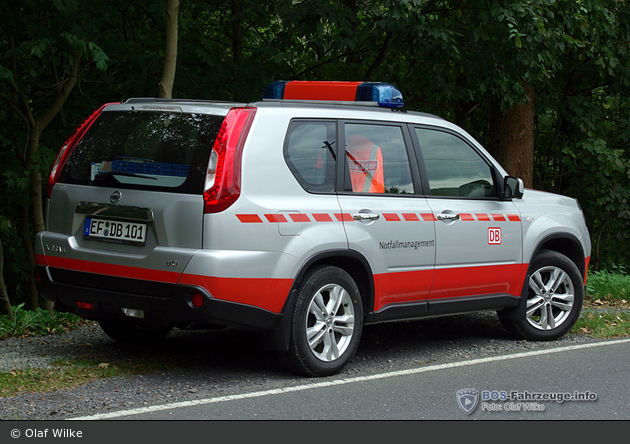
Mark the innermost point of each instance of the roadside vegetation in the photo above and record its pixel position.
(68, 374)
(36, 322)
(606, 314)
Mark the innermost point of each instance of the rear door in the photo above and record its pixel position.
(386, 218)
(129, 200)
(479, 246)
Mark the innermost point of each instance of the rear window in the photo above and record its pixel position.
(144, 150)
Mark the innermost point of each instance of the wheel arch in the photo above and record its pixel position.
(564, 243)
(352, 262)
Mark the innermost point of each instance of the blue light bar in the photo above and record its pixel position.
(275, 90)
(381, 94)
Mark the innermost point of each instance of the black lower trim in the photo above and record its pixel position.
(443, 307)
(110, 283)
(398, 312)
(162, 304)
(468, 304)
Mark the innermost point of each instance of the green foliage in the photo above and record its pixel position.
(454, 58)
(36, 323)
(610, 285)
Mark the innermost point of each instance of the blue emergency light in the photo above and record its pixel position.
(373, 93)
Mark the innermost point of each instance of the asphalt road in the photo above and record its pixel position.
(514, 386)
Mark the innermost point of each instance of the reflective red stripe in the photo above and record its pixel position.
(344, 217)
(483, 217)
(299, 217)
(322, 217)
(249, 218)
(389, 217)
(276, 218)
(410, 217)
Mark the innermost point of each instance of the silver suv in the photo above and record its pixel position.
(322, 208)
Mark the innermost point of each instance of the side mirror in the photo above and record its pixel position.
(513, 188)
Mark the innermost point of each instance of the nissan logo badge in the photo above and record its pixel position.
(115, 197)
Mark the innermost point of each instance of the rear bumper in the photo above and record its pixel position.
(160, 303)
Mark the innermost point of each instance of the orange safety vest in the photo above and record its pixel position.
(365, 161)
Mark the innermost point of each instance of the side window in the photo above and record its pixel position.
(376, 159)
(454, 168)
(310, 151)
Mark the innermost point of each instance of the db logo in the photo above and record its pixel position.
(494, 236)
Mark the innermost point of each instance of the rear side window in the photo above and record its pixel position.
(377, 160)
(144, 150)
(454, 168)
(311, 151)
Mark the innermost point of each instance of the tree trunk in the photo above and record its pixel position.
(4, 296)
(170, 53)
(27, 243)
(35, 129)
(36, 181)
(512, 137)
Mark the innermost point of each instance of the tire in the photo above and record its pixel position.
(326, 325)
(555, 293)
(133, 334)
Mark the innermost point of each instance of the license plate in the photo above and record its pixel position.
(115, 230)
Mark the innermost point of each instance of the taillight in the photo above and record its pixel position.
(223, 176)
(67, 147)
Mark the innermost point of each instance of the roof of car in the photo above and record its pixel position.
(356, 106)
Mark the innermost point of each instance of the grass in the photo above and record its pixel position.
(603, 325)
(606, 310)
(606, 315)
(610, 285)
(68, 374)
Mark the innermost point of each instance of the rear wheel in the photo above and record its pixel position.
(134, 334)
(554, 299)
(327, 323)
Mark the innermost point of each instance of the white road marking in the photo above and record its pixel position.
(315, 385)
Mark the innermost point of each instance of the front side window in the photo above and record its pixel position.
(376, 159)
(310, 151)
(453, 167)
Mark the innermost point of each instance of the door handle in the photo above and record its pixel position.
(448, 216)
(366, 216)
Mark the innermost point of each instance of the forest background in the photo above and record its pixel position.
(543, 84)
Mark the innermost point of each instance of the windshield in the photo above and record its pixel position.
(153, 150)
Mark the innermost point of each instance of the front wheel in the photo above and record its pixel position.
(326, 325)
(554, 299)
